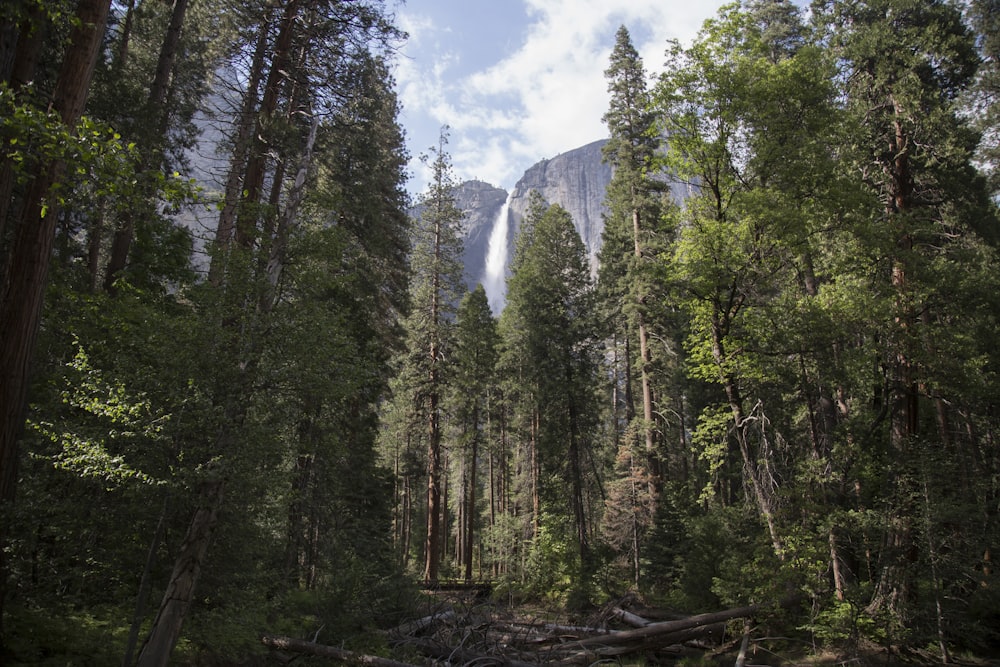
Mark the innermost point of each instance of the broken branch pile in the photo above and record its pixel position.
(485, 636)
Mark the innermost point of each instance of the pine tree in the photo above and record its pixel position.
(436, 287)
(471, 399)
(549, 348)
(906, 67)
(632, 217)
(25, 273)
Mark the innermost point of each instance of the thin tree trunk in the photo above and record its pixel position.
(94, 239)
(470, 506)
(432, 545)
(576, 487)
(145, 583)
(838, 577)
(253, 179)
(156, 114)
(241, 145)
(179, 594)
(536, 477)
(763, 499)
(645, 358)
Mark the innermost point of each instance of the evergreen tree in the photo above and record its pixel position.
(25, 266)
(549, 345)
(633, 212)
(472, 398)
(906, 66)
(436, 287)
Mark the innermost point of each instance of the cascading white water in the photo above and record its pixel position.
(495, 274)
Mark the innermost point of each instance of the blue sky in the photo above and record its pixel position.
(520, 80)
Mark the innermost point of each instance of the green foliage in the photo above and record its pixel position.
(127, 422)
(57, 637)
(552, 567)
(821, 313)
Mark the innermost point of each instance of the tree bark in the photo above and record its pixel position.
(26, 273)
(323, 651)
(645, 360)
(253, 179)
(764, 499)
(26, 41)
(667, 627)
(470, 508)
(156, 114)
(432, 550)
(177, 598)
(144, 586)
(241, 146)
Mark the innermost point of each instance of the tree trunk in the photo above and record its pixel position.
(241, 146)
(432, 545)
(177, 598)
(536, 477)
(764, 499)
(156, 116)
(645, 360)
(25, 47)
(26, 273)
(145, 584)
(576, 482)
(470, 506)
(667, 627)
(253, 179)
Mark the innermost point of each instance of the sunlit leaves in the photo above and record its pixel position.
(101, 425)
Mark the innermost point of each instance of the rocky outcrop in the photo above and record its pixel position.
(480, 203)
(576, 180)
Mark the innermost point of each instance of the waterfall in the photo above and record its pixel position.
(495, 274)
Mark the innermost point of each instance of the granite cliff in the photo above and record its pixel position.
(576, 180)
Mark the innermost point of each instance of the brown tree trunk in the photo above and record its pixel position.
(764, 500)
(536, 477)
(177, 598)
(253, 179)
(241, 146)
(432, 546)
(470, 501)
(145, 583)
(645, 361)
(157, 117)
(25, 47)
(26, 273)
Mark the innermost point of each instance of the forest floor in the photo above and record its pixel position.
(470, 627)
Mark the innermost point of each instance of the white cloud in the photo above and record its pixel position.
(546, 97)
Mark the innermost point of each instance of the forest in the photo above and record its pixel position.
(251, 409)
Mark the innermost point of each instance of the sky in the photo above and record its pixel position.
(518, 81)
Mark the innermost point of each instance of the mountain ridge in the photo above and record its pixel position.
(576, 180)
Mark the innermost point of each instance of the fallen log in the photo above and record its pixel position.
(629, 618)
(573, 629)
(460, 655)
(325, 651)
(413, 627)
(663, 642)
(666, 627)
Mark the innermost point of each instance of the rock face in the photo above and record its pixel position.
(576, 180)
(480, 202)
